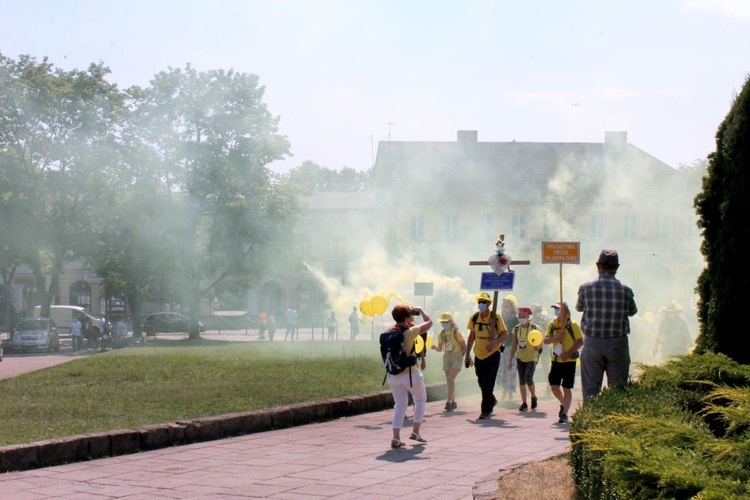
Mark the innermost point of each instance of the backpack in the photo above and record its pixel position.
(569, 328)
(474, 319)
(395, 359)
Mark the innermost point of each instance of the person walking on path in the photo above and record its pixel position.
(673, 337)
(486, 350)
(354, 322)
(451, 343)
(291, 323)
(262, 324)
(410, 380)
(606, 304)
(525, 356)
(331, 325)
(566, 338)
(75, 332)
(506, 378)
(271, 326)
(541, 319)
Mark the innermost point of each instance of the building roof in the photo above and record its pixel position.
(512, 170)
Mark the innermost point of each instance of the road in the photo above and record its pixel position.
(15, 364)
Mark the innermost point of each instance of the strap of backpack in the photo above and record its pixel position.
(493, 317)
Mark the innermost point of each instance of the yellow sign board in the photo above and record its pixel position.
(561, 252)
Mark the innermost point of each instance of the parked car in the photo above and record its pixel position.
(35, 334)
(63, 315)
(169, 322)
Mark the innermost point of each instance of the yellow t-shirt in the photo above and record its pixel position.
(525, 351)
(567, 341)
(449, 341)
(481, 331)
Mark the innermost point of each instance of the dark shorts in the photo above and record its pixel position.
(562, 374)
(525, 372)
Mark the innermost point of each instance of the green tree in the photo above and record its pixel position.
(695, 171)
(58, 138)
(723, 208)
(227, 217)
(310, 177)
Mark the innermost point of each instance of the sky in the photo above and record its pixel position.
(343, 75)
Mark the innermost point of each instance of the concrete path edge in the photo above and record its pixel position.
(151, 437)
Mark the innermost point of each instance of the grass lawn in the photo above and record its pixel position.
(171, 380)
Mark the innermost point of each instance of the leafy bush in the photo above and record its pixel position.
(646, 439)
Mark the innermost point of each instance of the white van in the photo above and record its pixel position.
(63, 316)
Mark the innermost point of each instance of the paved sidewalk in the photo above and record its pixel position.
(345, 458)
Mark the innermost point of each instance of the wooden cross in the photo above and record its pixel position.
(495, 292)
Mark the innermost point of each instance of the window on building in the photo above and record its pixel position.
(486, 228)
(308, 303)
(271, 299)
(628, 227)
(519, 226)
(661, 231)
(80, 295)
(597, 226)
(417, 227)
(451, 226)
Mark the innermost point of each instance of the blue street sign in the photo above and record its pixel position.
(492, 281)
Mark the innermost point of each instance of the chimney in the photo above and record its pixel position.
(466, 137)
(616, 141)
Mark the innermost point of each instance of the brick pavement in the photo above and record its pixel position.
(345, 458)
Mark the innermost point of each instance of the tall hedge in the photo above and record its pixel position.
(723, 208)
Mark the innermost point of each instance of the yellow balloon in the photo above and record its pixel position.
(534, 337)
(430, 342)
(418, 344)
(379, 304)
(366, 307)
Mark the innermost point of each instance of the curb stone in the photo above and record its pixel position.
(85, 447)
(20, 457)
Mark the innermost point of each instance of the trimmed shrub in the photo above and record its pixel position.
(656, 438)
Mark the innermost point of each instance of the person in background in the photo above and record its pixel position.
(506, 379)
(262, 324)
(486, 349)
(121, 329)
(331, 325)
(673, 337)
(541, 319)
(291, 323)
(354, 322)
(271, 325)
(566, 338)
(606, 304)
(525, 356)
(410, 380)
(75, 332)
(451, 343)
